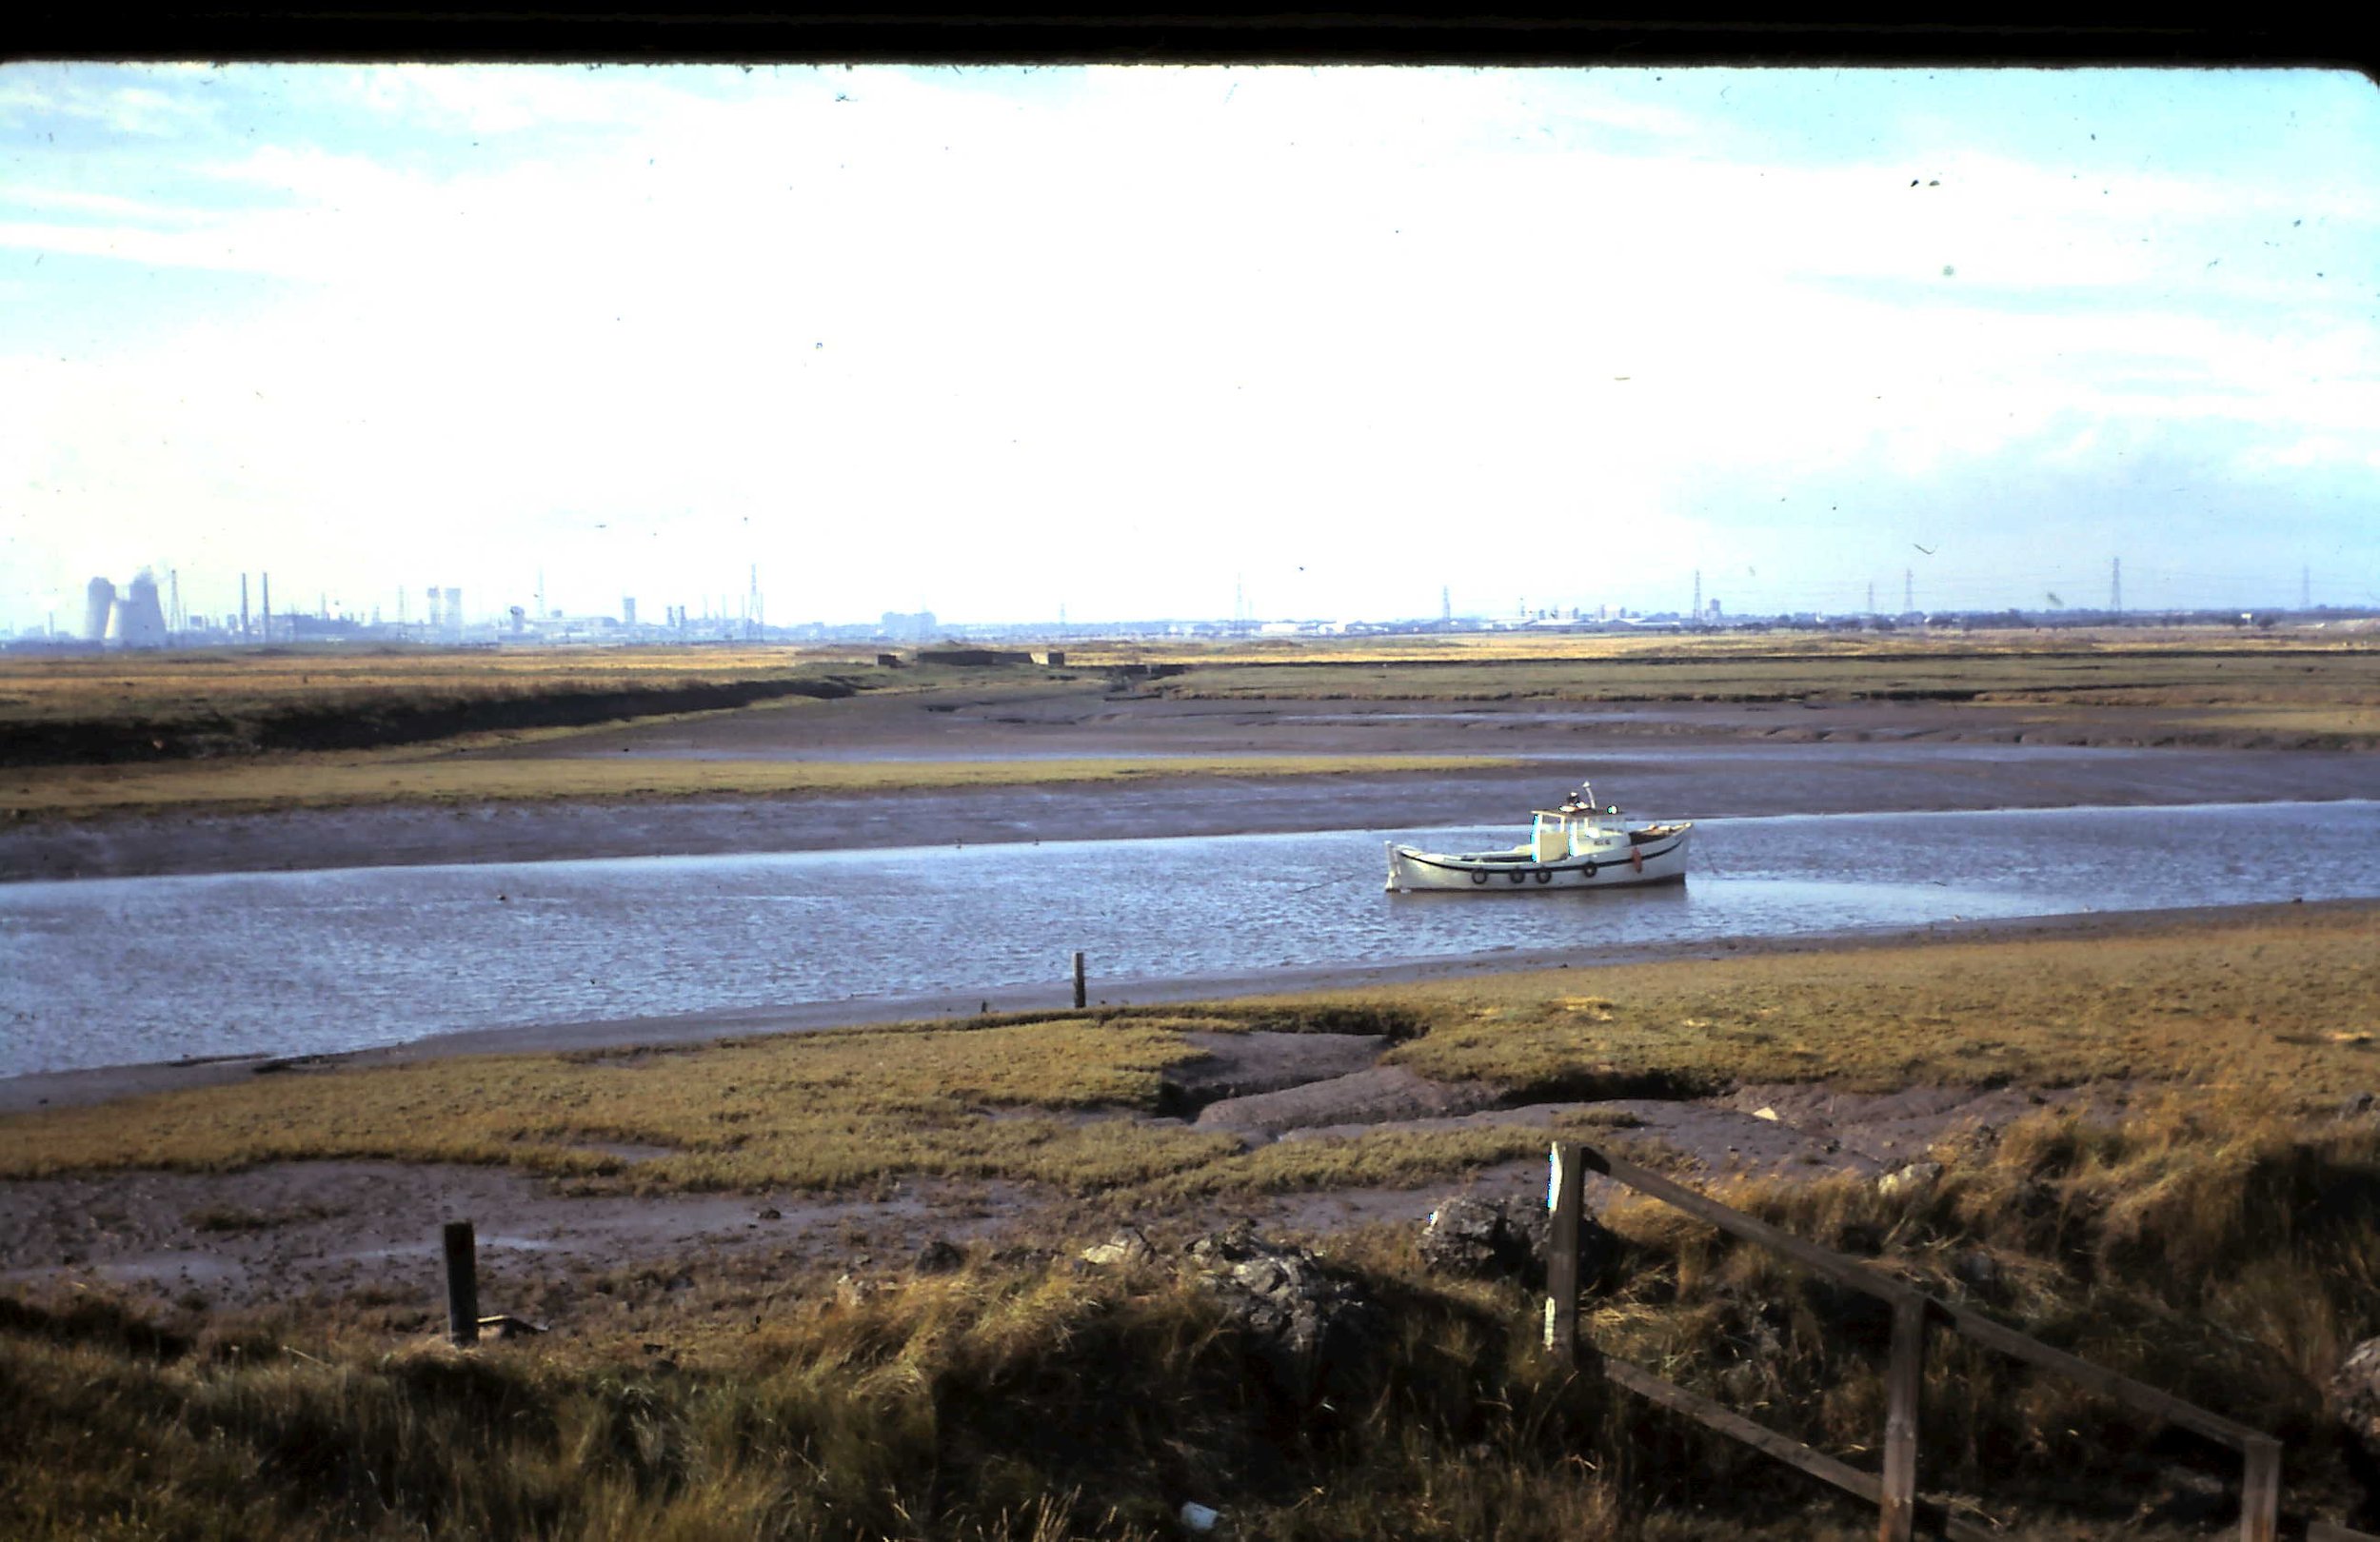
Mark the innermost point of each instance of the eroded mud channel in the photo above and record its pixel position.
(371, 1230)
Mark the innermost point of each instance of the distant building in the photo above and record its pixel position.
(445, 614)
(913, 628)
(99, 607)
(140, 620)
(134, 617)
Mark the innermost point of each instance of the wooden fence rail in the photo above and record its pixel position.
(1894, 1490)
(2322, 1530)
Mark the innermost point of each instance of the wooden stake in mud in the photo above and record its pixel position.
(462, 1285)
(1082, 999)
(1565, 1194)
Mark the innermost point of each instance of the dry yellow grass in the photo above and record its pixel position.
(2338, 685)
(814, 1110)
(2306, 687)
(2210, 1247)
(2287, 1000)
(996, 1404)
(211, 682)
(413, 777)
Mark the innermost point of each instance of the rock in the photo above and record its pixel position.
(1485, 1238)
(1977, 1268)
(1307, 1328)
(850, 1290)
(1127, 1249)
(772, 1213)
(1910, 1180)
(940, 1256)
(2356, 1107)
(2355, 1394)
(2356, 1402)
(1768, 1114)
(1506, 1240)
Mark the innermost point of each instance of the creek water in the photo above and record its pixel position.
(118, 970)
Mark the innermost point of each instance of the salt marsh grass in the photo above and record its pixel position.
(411, 778)
(2287, 1001)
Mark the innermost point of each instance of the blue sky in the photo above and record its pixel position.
(995, 341)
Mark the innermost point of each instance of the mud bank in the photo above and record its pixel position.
(1692, 779)
(332, 1229)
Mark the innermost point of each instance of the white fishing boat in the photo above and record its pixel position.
(1579, 845)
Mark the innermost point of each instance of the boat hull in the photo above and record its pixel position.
(1661, 859)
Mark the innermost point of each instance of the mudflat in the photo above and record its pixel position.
(1826, 1058)
(1705, 761)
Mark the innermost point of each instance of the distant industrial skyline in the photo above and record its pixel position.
(1266, 341)
(143, 614)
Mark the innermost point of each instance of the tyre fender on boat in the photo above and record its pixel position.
(1478, 878)
(1636, 858)
(1544, 876)
(1520, 876)
(1588, 871)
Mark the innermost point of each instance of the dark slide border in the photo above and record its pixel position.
(1531, 33)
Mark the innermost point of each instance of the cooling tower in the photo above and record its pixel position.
(140, 620)
(99, 605)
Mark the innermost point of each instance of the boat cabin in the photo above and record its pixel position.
(1566, 831)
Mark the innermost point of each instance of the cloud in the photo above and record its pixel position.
(972, 339)
(149, 103)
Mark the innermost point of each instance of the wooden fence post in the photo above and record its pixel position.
(1565, 1196)
(462, 1285)
(2260, 1491)
(1904, 1383)
(1081, 997)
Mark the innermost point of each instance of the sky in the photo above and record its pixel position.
(1339, 342)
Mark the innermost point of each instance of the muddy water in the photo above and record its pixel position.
(115, 971)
